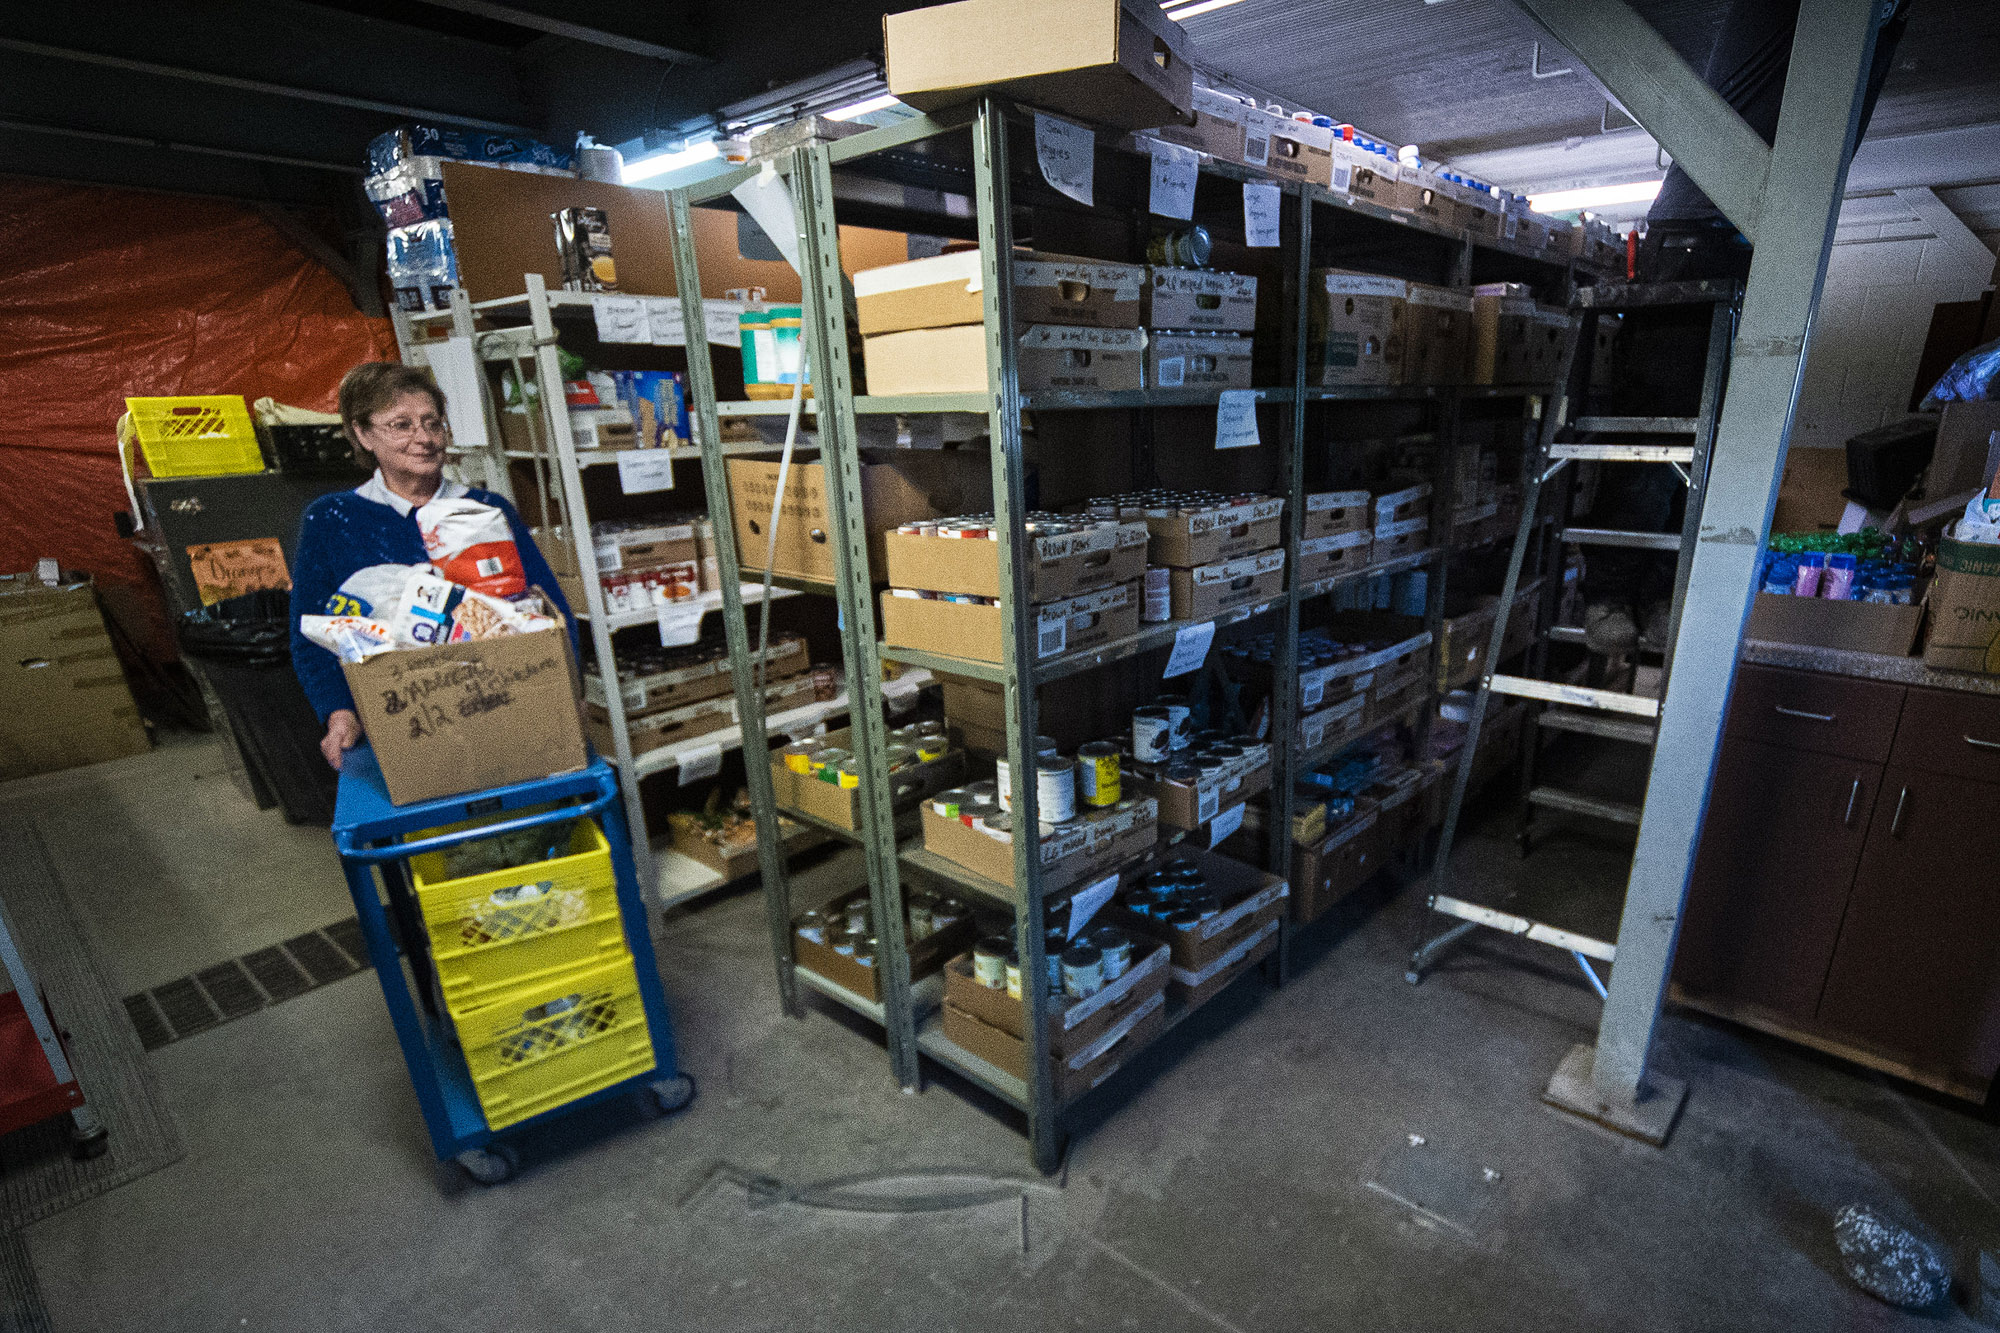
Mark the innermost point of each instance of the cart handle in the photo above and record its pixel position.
(400, 851)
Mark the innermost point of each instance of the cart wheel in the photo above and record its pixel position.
(87, 1144)
(489, 1166)
(671, 1094)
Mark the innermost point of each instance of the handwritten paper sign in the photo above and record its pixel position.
(1236, 420)
(644, 470)
(680, 622)
(1225, 824)
(1172, 191)
(1260, 215)
(1190, 649)
(620, 319)
(701, 762)
(1084, 904)
(230, 569)
(1067, 154)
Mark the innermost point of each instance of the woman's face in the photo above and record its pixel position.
(407, 436)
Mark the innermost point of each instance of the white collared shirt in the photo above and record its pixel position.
(378, 490)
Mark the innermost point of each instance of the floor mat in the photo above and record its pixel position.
(37, 1175)
(21, 1309)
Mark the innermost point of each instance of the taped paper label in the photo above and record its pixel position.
(665, 326)
(1190, 649)
(1174, 171)
(696, 764)
(1067, 154)
(641, 471)
(1085, 903)
(680, 622)
(1260, 215)
(1236, 419)
(620, 319)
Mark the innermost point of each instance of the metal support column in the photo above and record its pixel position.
(992, 195)
(1283, 712)
(833, 397)
(1831, 54)
(736, 630)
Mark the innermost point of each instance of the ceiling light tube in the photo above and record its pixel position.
(849, 112)
(1204, 7)
(1594, 196)
(658, 165)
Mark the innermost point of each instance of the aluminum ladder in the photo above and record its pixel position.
(1570, 435)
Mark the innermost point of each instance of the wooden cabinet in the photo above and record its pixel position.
(1840, 894)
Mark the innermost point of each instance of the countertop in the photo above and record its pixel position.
(1867, 666)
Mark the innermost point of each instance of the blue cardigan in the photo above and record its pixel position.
(345, 531)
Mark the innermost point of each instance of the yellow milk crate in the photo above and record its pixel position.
(196, 437)
(540, 1046)
(500, 929)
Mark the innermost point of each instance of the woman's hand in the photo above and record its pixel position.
(343, 733)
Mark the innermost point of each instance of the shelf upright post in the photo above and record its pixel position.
(993, 200)
(736, 630)
(576, 524)
(1284, 714)
(825, 292)
(499, 477)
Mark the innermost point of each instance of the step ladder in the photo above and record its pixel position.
(1600, 711)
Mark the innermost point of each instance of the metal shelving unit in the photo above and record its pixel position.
(910, 1029)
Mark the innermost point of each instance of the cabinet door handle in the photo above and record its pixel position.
(1896, 824)
(1810, 717)
(1853, 795)
(1984, 745)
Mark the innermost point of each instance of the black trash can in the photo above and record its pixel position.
(242, 645)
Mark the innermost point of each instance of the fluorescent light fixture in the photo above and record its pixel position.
(1185, 11)
(1594, 196)
(648, 167)
(882, 103)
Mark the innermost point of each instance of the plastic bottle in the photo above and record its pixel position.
(1812, 566)
(1837, 583)
(1781, 574)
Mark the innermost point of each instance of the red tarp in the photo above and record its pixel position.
(109, 293)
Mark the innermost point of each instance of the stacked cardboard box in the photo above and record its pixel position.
(640, 563)
(1402, 522)
(1219, 552)
(1208, 956)
(1096, 841)
(67, 701)
(1199, 328)
(1339, 535)
(1364, 328)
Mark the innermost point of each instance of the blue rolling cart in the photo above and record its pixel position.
(367, 828)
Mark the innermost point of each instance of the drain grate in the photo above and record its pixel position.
(247, 985)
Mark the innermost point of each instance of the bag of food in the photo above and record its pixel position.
(433, 610)
(470, 543)
(349, 638)
(371, 591)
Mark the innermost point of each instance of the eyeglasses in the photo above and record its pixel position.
(404, 428)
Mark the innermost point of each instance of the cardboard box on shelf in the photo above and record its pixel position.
(466, 716)
(1073, 1023)
(1369, 177)
(1076, 1074)
(980, 702)
(1214, 126)
(1248, 898)
(1430, 198)
(1463, 640)
(1863, 627)
(1051, 356)
(650, 691)
(1092, 844)
(1335, 555)
(1193, 298)
(935, 360)
(947, 289)
(1392, 698)
(1186, 540)
(1438, 335)
(1502, 319)
(1331, 512)
(1198, 361)
(1300, 151)
(1395, 507)
(1070, 290)
(67, 700)
(1325, 730)
(927, 955)
(1207, 591)
(735, 858)
(1111, 62)
(1965, 609)
(1059, 566)
(1190, 805)
(1337, 864)
(1355, 328)
(961, 629)
(1400, 539)
(1194, 987)
(1062, 356)
(1547, 332)
(668, 727)
(842, 805)
(918, 484)
(1323, 687)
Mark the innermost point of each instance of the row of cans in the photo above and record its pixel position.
(1316, 648)
(917, 743)
(1078, 968)
(1166, 503)
(926, 595)
(1176, 895)
(850, 932)
(973, 527)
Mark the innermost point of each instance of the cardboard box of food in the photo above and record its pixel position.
(1462, 643)
(1073, 1024)
(780, 692)
(467, 716)
(917, 484)
(934, 360)
(1391, 699)
(736, 857)
(944, 290)
(842, 805)
(1355, 328)
(1501, 324)
(980, 702)
(1323, 687)
(1051, 356)
(1109, 62)
(1965, 611)
(1091, 844)
(1076, 1074)
(667, 727)
(1335, 556)
(1336, 865)
(1369, 177)
(1394, 507)
(927, 955)
(1429, 197)
(1325, 730)
(1438, 335)
(961, 629)
(1300, 151)
(709, 679)
(1214, 126)
(1547, 333)
(1193, 298)
(1190, 805)
(1069, 290)
(1059, 567)
(1249, 900)
(1194, 987)
(1400, 539)
(1208, 590)
(67, 702)
(1329, 513)
(1187, 540)
(1060, 356)
(1198, 361)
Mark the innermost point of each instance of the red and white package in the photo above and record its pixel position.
(471, 544)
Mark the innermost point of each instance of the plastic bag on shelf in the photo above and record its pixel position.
(1970, 379)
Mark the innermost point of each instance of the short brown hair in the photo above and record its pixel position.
(372, 386)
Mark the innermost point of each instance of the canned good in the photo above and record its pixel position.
(1082, 970)
(828, 755)
(845, 942)
(864, 955)
(1053, 944)
(848, 775)
(798, 757)
(975, 812)
(1116, 947)
(855, 915)
(1003, 780)
(1013, 975)
(1157, 603)
(812, 926)
(1183, 919)
(900, 756)
(1152, 735)
(999, 826)
(1181, 249)
(1097, 773)
(1045, 746)
(929, 749)
(1055, 788)
(928, 727)
(949, 803)
(1205, 905)
(984, 790)
(922, 924)
(1180, 718)
(989, 962)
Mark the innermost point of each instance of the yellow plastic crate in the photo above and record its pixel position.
(196, 437)
(498, 930)
(537, 1047)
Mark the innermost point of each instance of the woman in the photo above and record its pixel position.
(394, 416)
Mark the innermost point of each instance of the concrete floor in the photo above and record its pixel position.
(1256, 1175)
